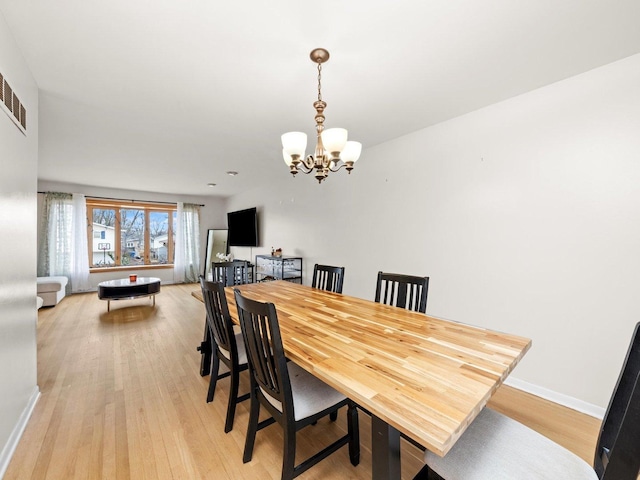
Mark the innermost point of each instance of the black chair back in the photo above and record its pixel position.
(265, 353)
(271, 387)
(224, 345)
(405, 291)
(231, 273)
(618, 449)
(328, 278)
(218, 318)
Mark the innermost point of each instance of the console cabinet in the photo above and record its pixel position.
(278, 268)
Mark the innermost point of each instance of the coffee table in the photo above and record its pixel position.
(124, 289)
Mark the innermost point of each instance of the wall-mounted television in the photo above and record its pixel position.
(243, 228)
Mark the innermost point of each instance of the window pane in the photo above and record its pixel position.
(104, 240)
(159, 237)
(132, 236)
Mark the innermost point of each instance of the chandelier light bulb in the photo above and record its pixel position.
(351, 152)
(334, 139)
(294, 143)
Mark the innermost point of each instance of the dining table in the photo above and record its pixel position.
(419, 376)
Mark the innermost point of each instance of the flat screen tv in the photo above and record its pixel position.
(243, 228)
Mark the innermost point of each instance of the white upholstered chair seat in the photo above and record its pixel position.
(310, 394)
(495, 447)
(242, 354)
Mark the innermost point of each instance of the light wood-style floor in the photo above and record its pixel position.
(122, 398)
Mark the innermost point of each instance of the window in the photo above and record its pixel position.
(126, 233)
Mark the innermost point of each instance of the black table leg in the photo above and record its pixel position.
(385, 450)
(205, 350)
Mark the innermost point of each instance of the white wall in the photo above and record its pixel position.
(212, 215)
(525, 215)
(18, 167)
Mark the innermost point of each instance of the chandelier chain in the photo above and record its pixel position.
(319, 81)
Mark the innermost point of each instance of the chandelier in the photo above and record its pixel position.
(332, 152)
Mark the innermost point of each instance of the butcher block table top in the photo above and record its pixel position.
(426, 377)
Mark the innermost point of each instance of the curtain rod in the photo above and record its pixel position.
(132, 201)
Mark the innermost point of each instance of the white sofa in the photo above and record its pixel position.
(51, 290)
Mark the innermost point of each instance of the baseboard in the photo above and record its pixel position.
(555, 397)
(16, 434)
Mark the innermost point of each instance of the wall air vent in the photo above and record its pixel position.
(10, 104)
(16, 107)
(8, 95)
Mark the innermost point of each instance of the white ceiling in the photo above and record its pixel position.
(168, 95)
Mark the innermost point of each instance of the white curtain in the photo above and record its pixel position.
(54, 256)
(79, 246)
(187, 255)
(63, 247)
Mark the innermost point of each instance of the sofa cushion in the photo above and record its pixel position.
(51, 284)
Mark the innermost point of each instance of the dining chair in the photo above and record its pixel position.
(406, 291)
(496, 447)
(293, 397)
(227, 346)
(231, 273)
(328, 278)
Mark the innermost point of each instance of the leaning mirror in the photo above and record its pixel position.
(216, 243)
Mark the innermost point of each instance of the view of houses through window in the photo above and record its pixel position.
(126, 233)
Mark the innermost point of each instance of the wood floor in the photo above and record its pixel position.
(122, 398)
